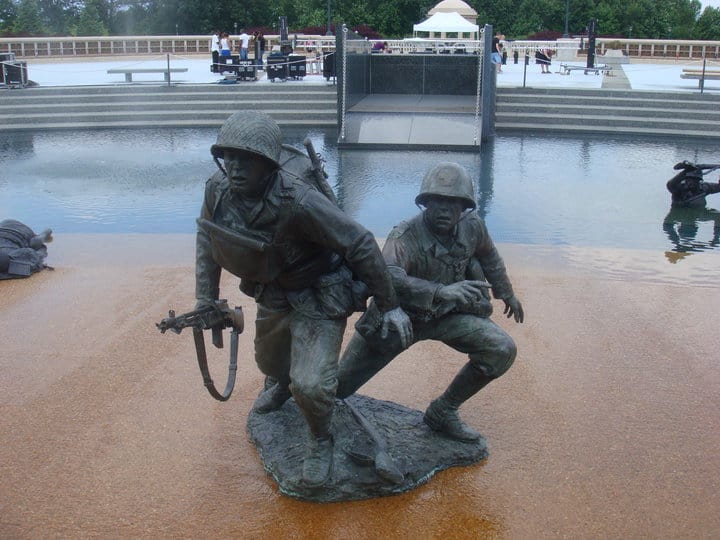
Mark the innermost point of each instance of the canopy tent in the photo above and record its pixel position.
(446, 22)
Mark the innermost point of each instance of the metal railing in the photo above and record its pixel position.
(138, 45)
(656, 49)
(88, 46)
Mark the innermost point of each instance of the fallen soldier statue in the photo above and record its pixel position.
(22, 252)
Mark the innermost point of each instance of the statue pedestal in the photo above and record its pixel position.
(282, 439)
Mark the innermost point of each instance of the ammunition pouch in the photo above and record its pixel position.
(243, 254)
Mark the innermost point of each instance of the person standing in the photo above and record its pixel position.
(496, 56)
(297, 254)
(225, 46)
(439, 261)
(244, 44)
(215, 50)
(543, 59)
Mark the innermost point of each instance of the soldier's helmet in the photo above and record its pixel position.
(249, 131)
(447, 180)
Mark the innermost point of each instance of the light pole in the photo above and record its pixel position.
(567, 15)
(329, 31)
(235, 29)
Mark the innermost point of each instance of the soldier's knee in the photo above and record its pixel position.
(497, 362)
(309, 391)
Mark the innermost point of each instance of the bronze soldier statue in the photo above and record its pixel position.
(301, 258)
(22, 252)
(688, 189)
(439, 262)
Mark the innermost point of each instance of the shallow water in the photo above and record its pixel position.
(549, 190)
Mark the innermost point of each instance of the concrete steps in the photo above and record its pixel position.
(309, 105)
(607, 111)
(164, 106)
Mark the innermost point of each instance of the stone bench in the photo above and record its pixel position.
(128, 72)
(708, 75)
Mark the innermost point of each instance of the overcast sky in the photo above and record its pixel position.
(713, 3)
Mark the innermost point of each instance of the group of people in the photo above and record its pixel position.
(221, 46)
(543, 55)
(268, 219)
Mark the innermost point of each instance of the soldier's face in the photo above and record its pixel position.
(247, 173)
(442, 214)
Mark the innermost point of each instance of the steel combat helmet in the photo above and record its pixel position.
(249, 131)
(447, 180)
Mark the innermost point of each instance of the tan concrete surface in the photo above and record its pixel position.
(606, 426)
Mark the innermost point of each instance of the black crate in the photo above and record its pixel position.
(247, 70)
(277, 67)
(297, 67)
(229, 64)
(14, 73)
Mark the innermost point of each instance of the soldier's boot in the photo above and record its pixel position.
(442, 417)
(272, 398)
(318, 463)
(442, 414)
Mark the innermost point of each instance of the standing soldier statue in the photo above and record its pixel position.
(439, 262)
(297, 254)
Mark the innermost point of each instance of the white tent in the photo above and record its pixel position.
(446, 22)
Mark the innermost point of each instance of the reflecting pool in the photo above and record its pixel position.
(592, 191)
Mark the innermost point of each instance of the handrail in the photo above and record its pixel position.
(89, 46)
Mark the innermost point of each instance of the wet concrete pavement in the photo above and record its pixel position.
(605, 427)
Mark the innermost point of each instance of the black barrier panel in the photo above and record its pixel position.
(456, 76)
(423, 74)
(400, 74)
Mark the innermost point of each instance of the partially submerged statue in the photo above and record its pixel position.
(439, 262)
(22, 252)
(688, 189)
(304, 261)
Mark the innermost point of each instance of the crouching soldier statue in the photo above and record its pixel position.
(439, 262)
(22, 252)
(297, 254)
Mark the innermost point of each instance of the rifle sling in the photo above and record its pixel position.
(203, 364)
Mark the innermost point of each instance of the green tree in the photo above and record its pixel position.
(91, 22)
(28, 21)
(708, 25)
(58, 15)
(8, 12)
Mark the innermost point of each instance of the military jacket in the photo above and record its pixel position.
(420, 264)
(308, 249)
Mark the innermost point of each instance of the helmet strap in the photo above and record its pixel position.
(217, 162)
